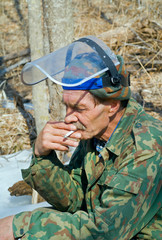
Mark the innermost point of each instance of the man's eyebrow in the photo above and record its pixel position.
(75, 105)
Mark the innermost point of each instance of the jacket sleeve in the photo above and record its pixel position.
(128, 203)
(59, 185)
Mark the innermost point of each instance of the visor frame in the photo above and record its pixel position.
(95, 45)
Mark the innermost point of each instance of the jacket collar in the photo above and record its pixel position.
(123, 129)
(95, 165)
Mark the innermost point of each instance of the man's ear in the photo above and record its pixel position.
(114, 106)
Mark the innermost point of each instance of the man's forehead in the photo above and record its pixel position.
(76, 97)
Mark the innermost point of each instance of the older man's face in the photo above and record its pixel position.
(82, 109)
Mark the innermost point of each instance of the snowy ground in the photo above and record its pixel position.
(10, 173)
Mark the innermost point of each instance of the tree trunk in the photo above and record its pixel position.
(58, 16)
(39, 91)
(58, 24)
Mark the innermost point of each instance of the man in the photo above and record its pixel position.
(111, 187)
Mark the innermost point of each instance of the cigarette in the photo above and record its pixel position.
(68, 134)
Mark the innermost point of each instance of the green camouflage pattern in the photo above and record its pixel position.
(88, 64)
(115, 197)
(119, 91)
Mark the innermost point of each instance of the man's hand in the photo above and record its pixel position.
(52, 138)
(6, 232)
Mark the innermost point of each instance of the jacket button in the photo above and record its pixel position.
(138, 125)
(21, 231)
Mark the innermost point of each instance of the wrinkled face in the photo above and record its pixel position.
(81, 108)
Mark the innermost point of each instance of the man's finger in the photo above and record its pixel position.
(62, 125)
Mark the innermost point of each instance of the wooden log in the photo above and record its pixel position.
(12, 56)
(116, 36)
(19, 63)
(21, 188)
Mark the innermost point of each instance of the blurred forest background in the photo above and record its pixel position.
(131, 28)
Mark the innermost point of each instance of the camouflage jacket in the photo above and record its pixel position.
(116, 196)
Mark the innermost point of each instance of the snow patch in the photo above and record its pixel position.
(10, 173)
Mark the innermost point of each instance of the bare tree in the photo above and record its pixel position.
(58, 18)
(39, 91)
(58, 32)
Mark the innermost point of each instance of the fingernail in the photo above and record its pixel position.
(76, 144)
(78, 135)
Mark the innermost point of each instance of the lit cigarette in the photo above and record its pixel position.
(68, 134)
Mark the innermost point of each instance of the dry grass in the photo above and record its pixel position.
(131, 28)
(14, 135)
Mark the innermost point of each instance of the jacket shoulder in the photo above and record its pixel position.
(147, 131)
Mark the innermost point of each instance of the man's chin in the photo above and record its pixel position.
(85, 135)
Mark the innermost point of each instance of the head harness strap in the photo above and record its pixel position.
(115, 77)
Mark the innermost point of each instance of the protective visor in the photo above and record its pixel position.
(72, 65)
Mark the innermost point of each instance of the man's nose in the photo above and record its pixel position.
(70, 116)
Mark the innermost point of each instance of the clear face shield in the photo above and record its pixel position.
(78, 64)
